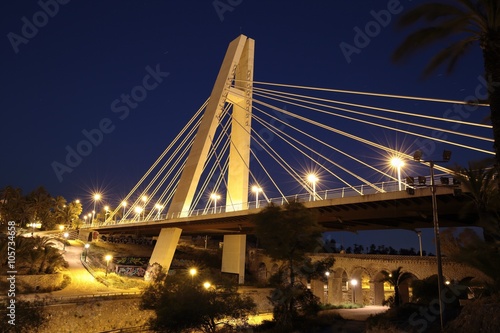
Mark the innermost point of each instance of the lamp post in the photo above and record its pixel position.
(313, 179)
(87, 245)
(97, 197)
(398, 163)
(192, 272)
(144, 199)
(215, 197)
(65, 238)
(138, 210)
(256, 189)
(419, 234)
(124, 205)
(106, 209)
(354, 283)
(446, 158)
(159, 209)
(108, 259)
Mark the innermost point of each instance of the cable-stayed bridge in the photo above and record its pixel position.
(252, 143)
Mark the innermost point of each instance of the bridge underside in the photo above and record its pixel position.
(394, 210)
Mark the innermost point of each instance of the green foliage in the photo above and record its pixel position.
(37, 206)
(287, 233)
(395, 278)
(457, 26)
(34, 255)
(468, 248)
(182, 303)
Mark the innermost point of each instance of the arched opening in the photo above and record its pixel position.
(337, 286)
(360, 287)
(262, 273)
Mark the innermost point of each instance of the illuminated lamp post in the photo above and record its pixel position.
(446, 158)
(256, 189)
(215, 197)
(398, 163)
(313, 179)
(108, 259)
(97, 197)
(354, 283)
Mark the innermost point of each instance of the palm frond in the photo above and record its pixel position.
(450, 54)
(429, 12)
(427, 36)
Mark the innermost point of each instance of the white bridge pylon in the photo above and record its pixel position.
(237, 67)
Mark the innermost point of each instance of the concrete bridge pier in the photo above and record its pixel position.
(233, 256)
(164, 250)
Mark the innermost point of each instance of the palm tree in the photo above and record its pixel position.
(395, 278)
(480, 183)
(470, 22)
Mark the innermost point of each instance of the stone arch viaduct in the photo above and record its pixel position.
(336, 287)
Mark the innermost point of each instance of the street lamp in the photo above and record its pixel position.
(313, 179)
(97, 197)
(419, 234)
(108, 259)
(65, 238)
(446, 158)
(354, 283)
(138, 210)
(215, 197)
(86, 251)
(159, 209)
(106, 209)
(256, 189)
(207, 285)
(124, 204)
(192, 272)
(398, 163)
(144, 199)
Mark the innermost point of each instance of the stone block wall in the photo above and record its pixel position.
(98, 316)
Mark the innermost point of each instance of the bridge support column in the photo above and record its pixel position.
(166, 244)
(378, 293)
(233, 256)
(318, 289)
(335, 290)
(404, 292)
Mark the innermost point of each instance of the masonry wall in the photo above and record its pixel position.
(95, 316)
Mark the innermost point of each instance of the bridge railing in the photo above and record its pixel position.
(364, 189)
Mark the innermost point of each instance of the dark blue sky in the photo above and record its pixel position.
(62, 78)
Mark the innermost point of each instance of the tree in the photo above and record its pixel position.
(182, 303)
(41, 204)
(395, 278)
(287, 233)
(470, 22)
(480, 183)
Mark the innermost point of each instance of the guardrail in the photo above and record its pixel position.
(364, 189)
(91, 271)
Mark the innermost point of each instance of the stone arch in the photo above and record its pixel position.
(337, 282)
(262, 272)
(360, 285)
(380, 288)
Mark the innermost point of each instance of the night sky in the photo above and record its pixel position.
(61, 79)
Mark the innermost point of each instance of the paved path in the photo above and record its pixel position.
(360, 314)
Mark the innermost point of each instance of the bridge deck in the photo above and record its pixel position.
(391, 210)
